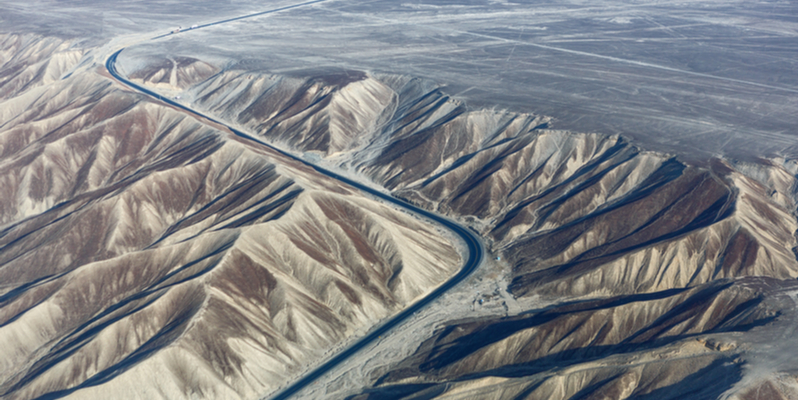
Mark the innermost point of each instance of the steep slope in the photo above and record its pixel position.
(141, 245)
(575, 217)
(664, 345)
(701, 226)
(28, 61)
(576, 213)
(174, 73)
(330, 113)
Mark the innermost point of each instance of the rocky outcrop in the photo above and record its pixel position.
(149, 254)
(575, 214)
(655, 264)
(140, 244)
(173, 73)
(669, 344)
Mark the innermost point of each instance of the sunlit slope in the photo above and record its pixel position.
(575, 213)
(145, 252)
(679, 270)
(29, 61)
(174, 73)
(310, 114)
(148, 254)
(703, 342)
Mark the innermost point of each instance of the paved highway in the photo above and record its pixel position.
(472, 242)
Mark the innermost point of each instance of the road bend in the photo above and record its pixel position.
(471, 241)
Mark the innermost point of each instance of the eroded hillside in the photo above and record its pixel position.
(150, 254)
(670, 250)
(696, 343)
(577, 213)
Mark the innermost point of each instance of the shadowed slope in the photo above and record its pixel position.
(664, 345)
(574, 216)
(573, 213)
(141, 245)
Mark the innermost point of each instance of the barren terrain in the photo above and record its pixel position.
(214, 266)
(630, 167)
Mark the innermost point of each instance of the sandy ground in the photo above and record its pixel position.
(463, 301)
(739, 112)
(710, 78)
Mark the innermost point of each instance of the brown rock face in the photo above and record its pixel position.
(150, 254)
(147, 254)
(668, 344)
(175, 73)
(673, 249)
(574, 214)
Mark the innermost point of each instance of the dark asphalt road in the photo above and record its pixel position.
(470, 239)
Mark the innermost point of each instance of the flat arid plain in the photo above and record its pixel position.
(336, 199)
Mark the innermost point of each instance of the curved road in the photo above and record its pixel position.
(470, 239)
